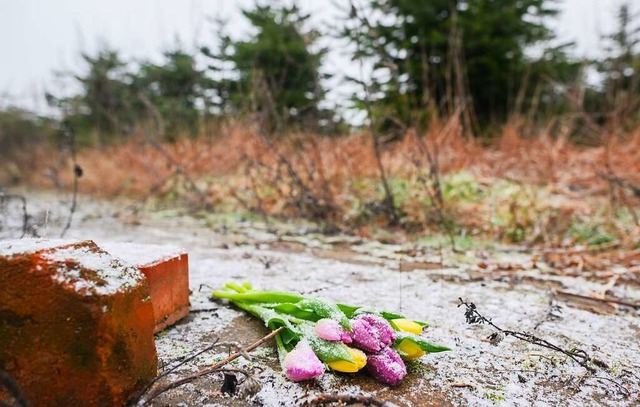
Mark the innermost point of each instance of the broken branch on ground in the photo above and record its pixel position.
(473, 316)
(155, 392)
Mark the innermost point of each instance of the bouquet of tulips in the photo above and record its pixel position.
(319, 333)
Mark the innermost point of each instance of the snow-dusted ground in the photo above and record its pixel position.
(475, 372)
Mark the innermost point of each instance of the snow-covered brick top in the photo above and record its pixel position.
(142, 254)
(80, 265)
(12, 247)
(107, 275)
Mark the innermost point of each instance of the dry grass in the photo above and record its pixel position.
(526, 189)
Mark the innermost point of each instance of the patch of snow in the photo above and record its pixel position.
(512, 373)
(30, 245)
(138, 254)
(193, 333)
(111, 275)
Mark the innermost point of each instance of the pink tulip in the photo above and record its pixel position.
(302, 364)
(371, 333)
(330, 330)
(387, 367)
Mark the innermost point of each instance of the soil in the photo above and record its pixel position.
(418, 280)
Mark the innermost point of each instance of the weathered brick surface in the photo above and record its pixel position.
(167, 271)
(76, 325)
(169, 288)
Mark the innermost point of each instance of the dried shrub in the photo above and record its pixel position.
(529, 185)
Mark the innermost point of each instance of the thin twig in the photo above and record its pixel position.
(198, 310)
(13, 389)
(153, 138)
(389, 200)
(626, 391)
(77, 173)
(578, 355)
(553, 311)
(203, 372)
(188, 359)
(605, 300)
(615, 180)
(346, 399)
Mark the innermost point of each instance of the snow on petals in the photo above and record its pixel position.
(302, 364)
(387, 367)
(330, 330)
(371, 333)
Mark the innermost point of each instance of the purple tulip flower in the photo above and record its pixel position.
(302, 364)
(330, 330)
(371, 333)
(387, 367)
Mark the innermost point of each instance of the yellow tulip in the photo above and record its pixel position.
(409, 350)
(407, 325)
(359, 361)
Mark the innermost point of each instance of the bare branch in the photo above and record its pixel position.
(346, 399)
(578, 355)
(155, 392)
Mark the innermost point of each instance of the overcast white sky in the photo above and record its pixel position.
(38, 37)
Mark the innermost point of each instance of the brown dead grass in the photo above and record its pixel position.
(240, 168)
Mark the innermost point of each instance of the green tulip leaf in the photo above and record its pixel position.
(419, 341)
(325, 309)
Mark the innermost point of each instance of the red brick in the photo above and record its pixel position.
(167, 271)
(76, 324)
